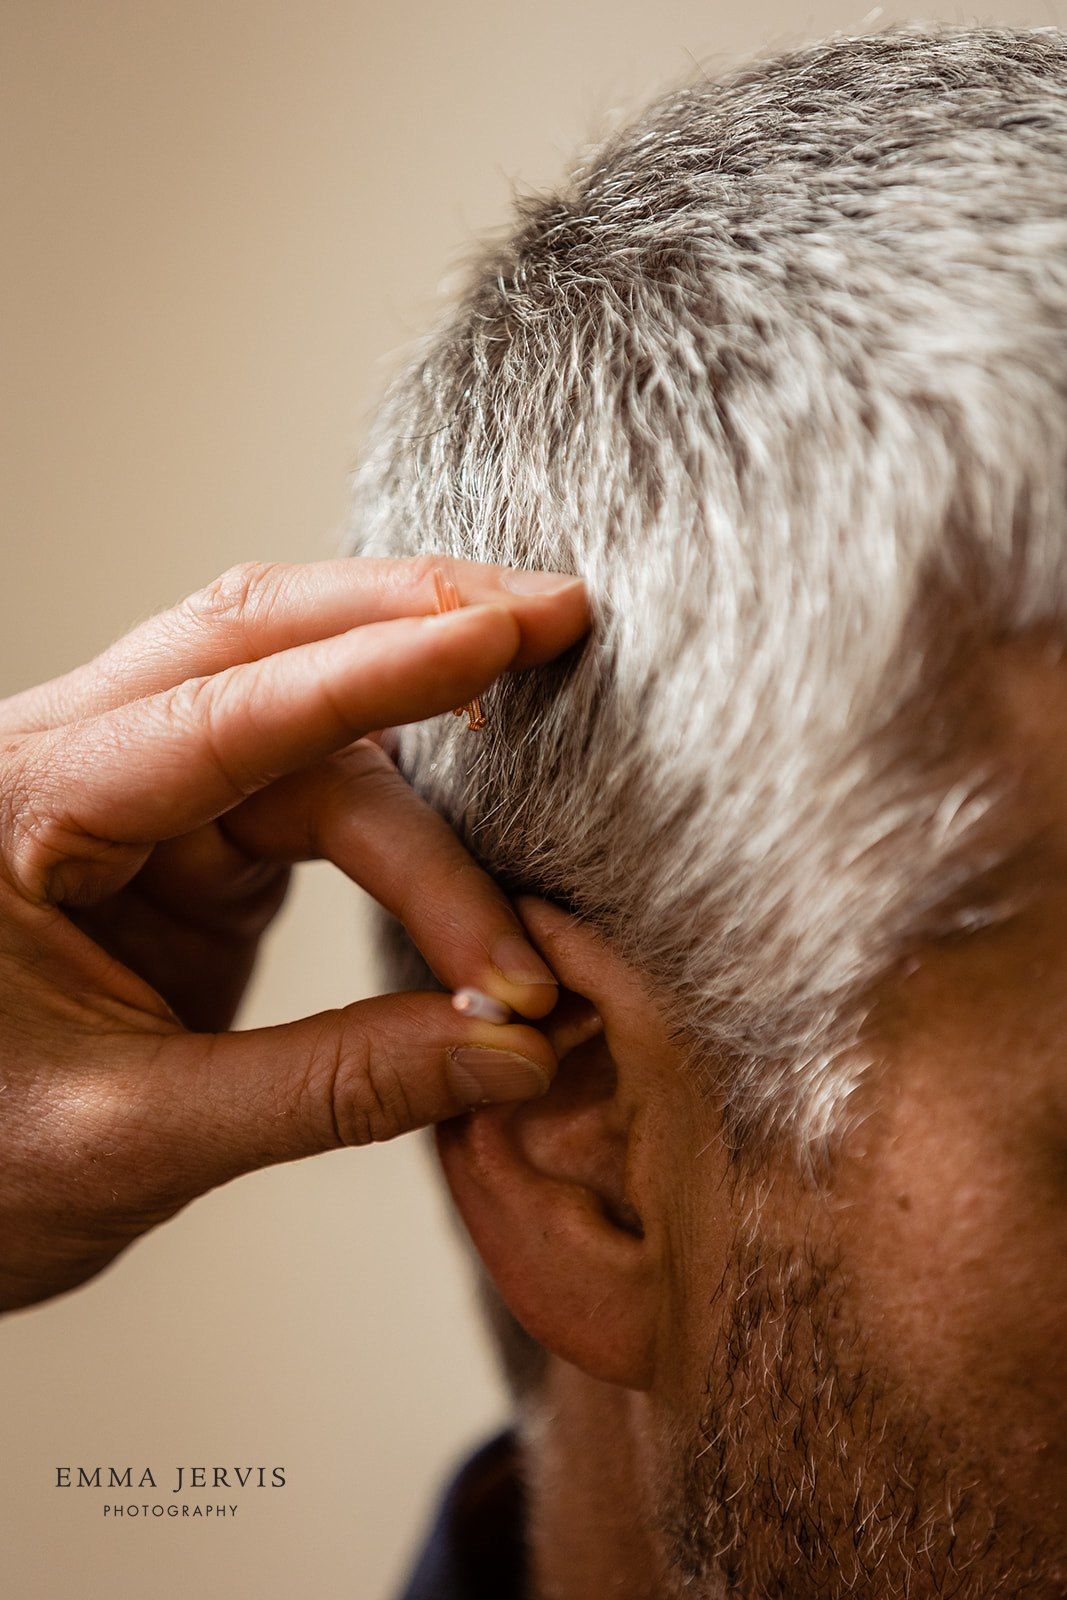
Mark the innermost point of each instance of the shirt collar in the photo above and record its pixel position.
(476, 1549)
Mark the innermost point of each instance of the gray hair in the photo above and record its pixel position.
(781, 371)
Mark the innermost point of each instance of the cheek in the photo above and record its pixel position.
(957, 1238)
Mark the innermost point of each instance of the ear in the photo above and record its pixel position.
(555, 1192)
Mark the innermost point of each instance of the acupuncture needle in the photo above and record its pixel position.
(447, 598)
(476, 1003)
(574, 1021)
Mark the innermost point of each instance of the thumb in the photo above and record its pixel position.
(233, 1102)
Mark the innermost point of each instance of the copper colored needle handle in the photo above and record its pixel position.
(448, 600)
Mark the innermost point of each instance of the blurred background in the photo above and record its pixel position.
(222, 223)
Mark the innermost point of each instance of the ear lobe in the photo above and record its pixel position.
(543, 1190)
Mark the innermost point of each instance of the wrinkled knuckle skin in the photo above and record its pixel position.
(33, 838)
(365, 1094)
(40, 845)
(241, 595)
(381, 1103)
(363, 773)
(188, 704)
(197, 707)
(350, 779)
(191, 708)
(10, 802)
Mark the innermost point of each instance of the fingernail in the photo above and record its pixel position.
(518, 962)
(481, 1076)
(523, 581)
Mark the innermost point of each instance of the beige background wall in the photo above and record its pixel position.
(220, 221)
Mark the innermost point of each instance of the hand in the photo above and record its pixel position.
(151, 804)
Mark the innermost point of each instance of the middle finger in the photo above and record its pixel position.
(357, 811)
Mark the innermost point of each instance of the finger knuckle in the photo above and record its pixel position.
(240, 595)
(12, 780)
(380, 1106)
(190, 705)
(363, 774)
(197, 708)
(333, 811)
(364, 762)
(40, 844)
(365, 1092)
(34, 834)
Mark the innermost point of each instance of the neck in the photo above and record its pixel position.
(590, 1518)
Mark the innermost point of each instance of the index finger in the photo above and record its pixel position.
(258, 609)
(164, 765)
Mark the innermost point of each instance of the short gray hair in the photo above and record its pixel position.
(781, 371)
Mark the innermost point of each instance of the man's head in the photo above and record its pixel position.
(783, 374)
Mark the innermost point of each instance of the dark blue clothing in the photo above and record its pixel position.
(476, 1549)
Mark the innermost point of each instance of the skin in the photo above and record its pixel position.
(783, 1387)
(151, 805)
(753, 1385)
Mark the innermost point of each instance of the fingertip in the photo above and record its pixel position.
(552, 622)
(518, 977)
(548, 610)
(480, 614)
(533, 1000)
